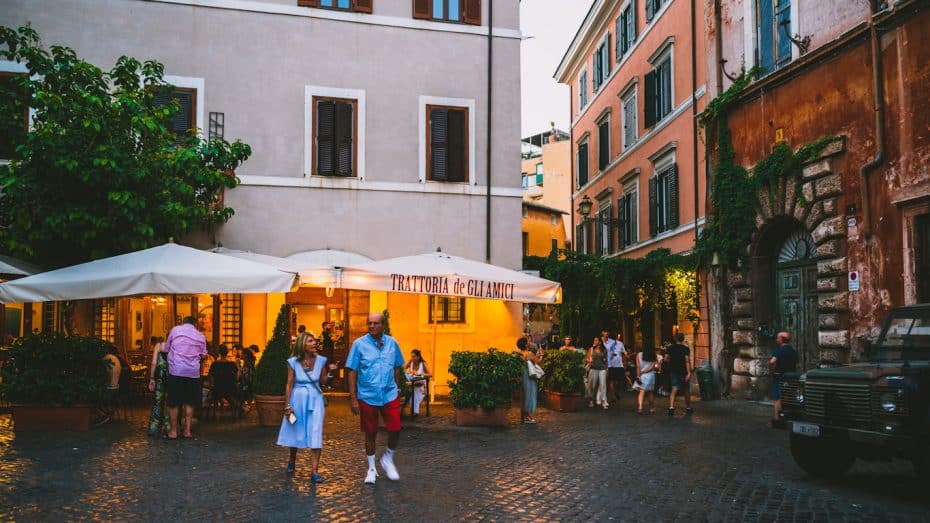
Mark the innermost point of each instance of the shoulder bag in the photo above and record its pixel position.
(535, 371)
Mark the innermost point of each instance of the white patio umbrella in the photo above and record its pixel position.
(311, 274)
(442, 274)
(166, 269)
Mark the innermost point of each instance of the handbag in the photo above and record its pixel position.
(534, 370)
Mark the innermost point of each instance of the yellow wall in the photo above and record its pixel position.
(557, 179)
(489, 323)
(254, 319)
(540, 231)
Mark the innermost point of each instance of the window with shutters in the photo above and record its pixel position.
(14, 113)
(603, 230)
(459, 11)
(628, 216)
(625, 29)
(630, 122)
(526, 243)
(773, 30)
(447, 143)
(581, 244)
(555, 246)
(582, 90)
(602, 63)
(359, 6)
(335, 136)
(663, 200)
(443, 309)
(539, 173)
(183, 121)
(603, 143)
(231, 319)
(658, 89)
(105, 319)
(582, 165)
(653, 7)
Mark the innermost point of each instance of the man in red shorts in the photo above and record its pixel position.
(375, 366)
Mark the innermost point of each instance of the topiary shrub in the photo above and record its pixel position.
(564, 371)
(55, 369)
(271, 372)
(484, 379)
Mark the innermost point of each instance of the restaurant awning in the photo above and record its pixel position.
(10, 267)
(311, 274)
(442, 274)
(166, 269)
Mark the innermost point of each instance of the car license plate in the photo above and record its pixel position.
(806, 429)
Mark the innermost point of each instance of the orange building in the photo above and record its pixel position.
(636, 89)
(546, 169)
(543, 229)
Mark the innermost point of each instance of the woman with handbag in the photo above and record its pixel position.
(597, 375)
(302, 426)
(530, 384)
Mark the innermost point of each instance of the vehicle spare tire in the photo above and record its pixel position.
(819, 457)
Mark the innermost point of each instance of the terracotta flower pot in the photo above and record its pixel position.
(563, 401)
(478, 417)
(270, 410)
(72, 417)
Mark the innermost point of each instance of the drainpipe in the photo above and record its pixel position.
(694, 154)
(879, 99)
(571, 168)
(487, 234)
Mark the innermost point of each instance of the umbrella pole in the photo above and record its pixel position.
(433, 359)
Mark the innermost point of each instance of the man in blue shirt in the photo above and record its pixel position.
(375, 366)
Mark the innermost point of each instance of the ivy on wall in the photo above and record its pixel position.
(599, 292)
(734, 189)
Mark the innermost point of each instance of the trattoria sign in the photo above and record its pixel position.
(454, 286)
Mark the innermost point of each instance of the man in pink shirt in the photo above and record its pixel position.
(186, 346)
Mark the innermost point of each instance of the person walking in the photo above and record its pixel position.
(530, 384)
(616, 353)
(375, 367)
(158, 375)
(597, 375)
(417, 373)
(186, 347)
(302, 426)
(646, 377)
(678, 367)
(783, 360)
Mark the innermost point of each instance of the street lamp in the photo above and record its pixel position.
(584, 207)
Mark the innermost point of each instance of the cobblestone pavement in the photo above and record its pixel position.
(721, 464)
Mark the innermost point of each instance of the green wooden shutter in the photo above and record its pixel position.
(439, 149)
(582, 165)
(345, 123)
(456, 168)
(653, 215)
(621, 221)
(649, 103)
(673, 196)
(620, 43)
(650, 10)
(325, 137)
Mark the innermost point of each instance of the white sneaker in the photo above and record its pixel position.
(387, 463)
(371, 477)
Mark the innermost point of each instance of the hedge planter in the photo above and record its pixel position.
(58, 418)
(563, 401)
(478, 417)
(270, 410)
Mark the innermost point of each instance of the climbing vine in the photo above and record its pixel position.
(730, 224)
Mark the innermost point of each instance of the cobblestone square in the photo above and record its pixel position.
(721, 464)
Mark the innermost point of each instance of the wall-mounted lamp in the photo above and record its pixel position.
(584, 209)
(330, 291)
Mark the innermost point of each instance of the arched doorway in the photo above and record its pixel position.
(796, 296)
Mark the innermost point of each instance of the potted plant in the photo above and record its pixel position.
(271, 373)
(54, 381)
(483, 387)
(563, 380)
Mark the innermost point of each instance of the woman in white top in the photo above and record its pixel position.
(417, 372)
(646, 377)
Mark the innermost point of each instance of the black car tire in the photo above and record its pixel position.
(821, 458)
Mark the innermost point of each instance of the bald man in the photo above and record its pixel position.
(784, 360)
(376, 366)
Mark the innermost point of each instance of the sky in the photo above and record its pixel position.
(548, 27)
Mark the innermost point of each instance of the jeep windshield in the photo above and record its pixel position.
(906, 335)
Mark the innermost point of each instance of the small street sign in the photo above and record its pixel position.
(853, 280)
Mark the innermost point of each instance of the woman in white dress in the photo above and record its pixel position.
(304, 399)
(416, 372)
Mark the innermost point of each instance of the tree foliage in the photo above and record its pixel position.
(484, 379)
(99, 171)
(599, 292)
(271, 373)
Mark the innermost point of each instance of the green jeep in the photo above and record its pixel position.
(872, 410)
